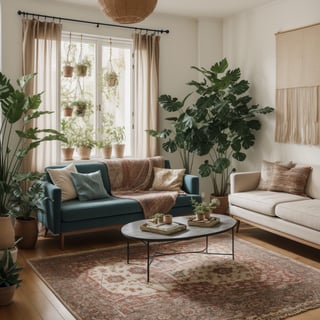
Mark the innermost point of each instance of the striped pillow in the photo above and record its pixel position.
(292, 180)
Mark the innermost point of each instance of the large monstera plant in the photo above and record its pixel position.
(220, 125)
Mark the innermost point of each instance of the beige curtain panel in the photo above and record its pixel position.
(146, 82)
(297, 87)
(41, 41)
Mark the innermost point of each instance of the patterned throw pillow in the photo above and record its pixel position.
(266, 173)
(292, 180)
(62, 179)
(167, 179)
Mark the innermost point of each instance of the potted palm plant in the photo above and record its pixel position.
(25, 203)
(9, 277)
(18, 136)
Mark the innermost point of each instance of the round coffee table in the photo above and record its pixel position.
(132, 231)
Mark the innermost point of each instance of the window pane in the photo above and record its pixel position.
(105, 88)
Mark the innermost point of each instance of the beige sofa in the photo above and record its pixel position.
(295, 216)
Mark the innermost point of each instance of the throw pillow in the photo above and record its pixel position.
(62, 179)
(89, 186)
(167, 179)
(292, 180)
(266, 173)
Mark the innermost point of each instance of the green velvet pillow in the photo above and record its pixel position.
(89, 186)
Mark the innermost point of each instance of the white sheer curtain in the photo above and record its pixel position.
(41, 51)
(146, 81)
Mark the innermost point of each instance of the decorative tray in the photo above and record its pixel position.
(193, 221)
(163, 228)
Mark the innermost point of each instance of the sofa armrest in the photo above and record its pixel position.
(191, 184)
(244, 181)
(52, 205)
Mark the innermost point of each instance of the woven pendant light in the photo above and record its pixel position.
(128, 11)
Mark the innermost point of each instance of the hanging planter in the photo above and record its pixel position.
(68, 68)
(81, 67)
(111, 77)
(67, 71)
(81, 70)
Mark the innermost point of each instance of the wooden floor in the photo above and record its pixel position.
(34, 301)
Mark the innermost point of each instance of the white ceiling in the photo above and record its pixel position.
(193, 8)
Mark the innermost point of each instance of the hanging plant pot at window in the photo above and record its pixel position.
(81, 70)
(80, 108)
(111, 79)
(67, 111)
(67, 71)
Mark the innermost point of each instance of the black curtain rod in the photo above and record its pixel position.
(98, 24)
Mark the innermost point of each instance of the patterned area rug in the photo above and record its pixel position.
(258, 284)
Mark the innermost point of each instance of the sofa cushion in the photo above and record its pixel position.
(262, 201)
(75, 210)
(61, 177)
(266, 173)
(89, 186)
(292, 180)
(167, 179)
(305, 213)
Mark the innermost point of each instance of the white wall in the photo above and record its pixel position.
(249, 43)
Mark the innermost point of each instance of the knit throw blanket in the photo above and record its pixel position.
(132, 179)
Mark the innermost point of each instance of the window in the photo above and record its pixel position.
(98, 90)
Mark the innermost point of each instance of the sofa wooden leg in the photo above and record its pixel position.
(237, 226)
(46, 231)
(61, 241)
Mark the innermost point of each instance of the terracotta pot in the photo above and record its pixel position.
(6, 294)
(119, 150)
(80, 111)
(67, 71)
(207, 215)
(67, 111)
(223, 208)
(200, 216)
(84, 153)
(81, 70)
(67, 153)
(28, 231)
(6, 232)
(107, 151)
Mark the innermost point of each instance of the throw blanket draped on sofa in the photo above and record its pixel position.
(132, 179)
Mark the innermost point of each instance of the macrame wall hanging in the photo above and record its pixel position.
(298, 86)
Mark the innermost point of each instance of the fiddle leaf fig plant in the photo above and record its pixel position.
(229, 122)
(219, 125)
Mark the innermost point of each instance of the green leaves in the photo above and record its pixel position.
(9, 271)
(220, 124)
(18, 135)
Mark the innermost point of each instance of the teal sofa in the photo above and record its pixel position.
(75, 216)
